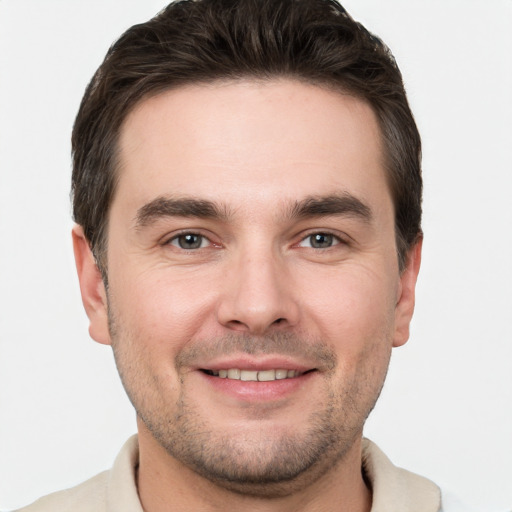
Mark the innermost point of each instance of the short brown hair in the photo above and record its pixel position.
(193, 41)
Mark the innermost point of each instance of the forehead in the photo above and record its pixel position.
(249, 139)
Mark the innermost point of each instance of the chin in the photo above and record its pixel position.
(268, 461)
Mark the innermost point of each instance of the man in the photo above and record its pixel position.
(247, 192)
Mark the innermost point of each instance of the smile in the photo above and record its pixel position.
(255, 375)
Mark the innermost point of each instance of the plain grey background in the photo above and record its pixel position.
(446, 410)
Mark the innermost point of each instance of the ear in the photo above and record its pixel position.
(94, 297)
(406, 295)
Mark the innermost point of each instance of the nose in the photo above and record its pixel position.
(258, 295)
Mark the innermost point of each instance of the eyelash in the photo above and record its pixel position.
(334, 239)
(176, 238)
(331, 237)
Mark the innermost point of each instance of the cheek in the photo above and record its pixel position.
(357, 320)
(354, 309)
(163, 310)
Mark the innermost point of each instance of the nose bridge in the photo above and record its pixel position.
(257, 294)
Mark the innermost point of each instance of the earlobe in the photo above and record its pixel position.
(406, 295)
(92, 289)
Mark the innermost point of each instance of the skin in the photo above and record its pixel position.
(259, 291)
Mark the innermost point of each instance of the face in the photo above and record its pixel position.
(254, 292)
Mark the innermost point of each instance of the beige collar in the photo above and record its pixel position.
(122, 484)
(395, 489)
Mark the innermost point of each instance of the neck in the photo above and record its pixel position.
(166, 484)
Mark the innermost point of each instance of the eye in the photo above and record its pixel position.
(189, 241)
(320, 241)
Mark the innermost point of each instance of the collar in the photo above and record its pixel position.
(395, 488)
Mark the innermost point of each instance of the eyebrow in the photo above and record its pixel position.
(178, 207)
(344, 204)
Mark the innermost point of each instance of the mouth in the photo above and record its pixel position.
(256, 375)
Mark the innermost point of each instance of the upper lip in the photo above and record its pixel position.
(251, 363)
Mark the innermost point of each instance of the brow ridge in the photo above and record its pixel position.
(335, 204)
(314, 206)
(178, 207)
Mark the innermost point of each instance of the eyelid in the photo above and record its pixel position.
(341, 238)
(170, 237)
(203, 242)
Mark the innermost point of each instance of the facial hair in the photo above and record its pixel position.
(260, 461)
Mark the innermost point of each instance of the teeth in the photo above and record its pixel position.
(266, 375)
(233, 373)
(254, 375)
(248, 375)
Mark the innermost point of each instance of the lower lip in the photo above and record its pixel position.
(253, 391)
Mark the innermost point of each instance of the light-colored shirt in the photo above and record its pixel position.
(393, 489)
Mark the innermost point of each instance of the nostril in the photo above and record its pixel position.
(279, 320)
(237, 325)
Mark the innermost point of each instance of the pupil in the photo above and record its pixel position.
(190, 241)
(321, 240)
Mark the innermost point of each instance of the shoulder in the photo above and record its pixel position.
(87, 497)
(395, 488)
(113, 490)
(400, 490)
